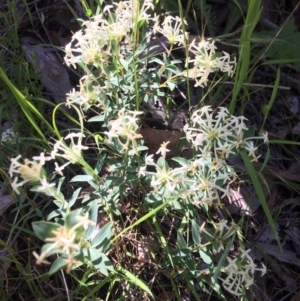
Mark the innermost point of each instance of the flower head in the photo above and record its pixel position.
(216, 132)
(15, 185)
(240, 272)
(163, 149)
(84, 221)
(90, 93)
(46, 187)
(206, 61)
(14, 163)
(125, 129)
(172, 29)
(92, 44)
(72, 153)
(220, 235)
(66, 240)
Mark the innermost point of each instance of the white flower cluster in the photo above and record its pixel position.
(33, 172)
(65, 241)
(241, 272)
(131, 13)
(194, 180)
(71, 153)
(90, 94)
(116, 22)
(98, 44)
(205, 61)
(215, 136)
(172, 29)
(125, 129)
(204, 180)
(219, 134)
(220, 235)
(30, 171)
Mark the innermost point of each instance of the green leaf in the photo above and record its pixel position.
(44, 229)
(258, 189)
(205, 256)
(173, 68)
(81, 178)
(102, 239)
(60, 183)
(53, 214)
(266, 108)
(99, 260)
(99, 164)
(71, 218)
(162, 163)
(180, 252)
(181, 161)
(181, 241)
(57, 265)
(134, 280)
(96, 288)
(29, 110)
(98, 118)
(286, 44)
(139, 149)
(60, 263)
(195, 233)
(250, 132)
(156, 60)
(171, 85)
(50, 249)
(74, 197)
(93, 216)
(217, 270)
(253, 14)
(124, 64)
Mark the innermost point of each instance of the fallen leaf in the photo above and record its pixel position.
(281, 255)
(52, 73)
(286, 44)
(5, 201)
